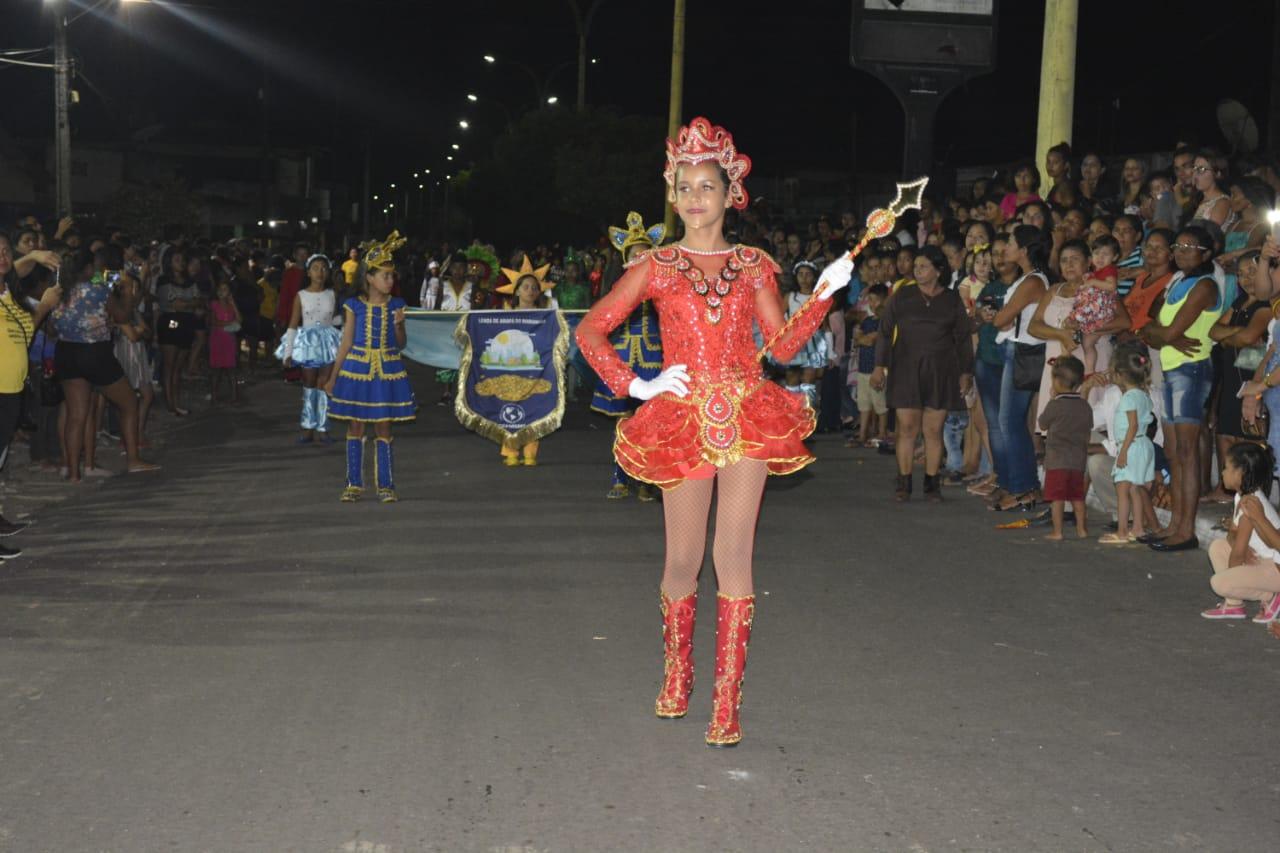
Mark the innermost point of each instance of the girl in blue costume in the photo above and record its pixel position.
(371, 385)
(637, 342)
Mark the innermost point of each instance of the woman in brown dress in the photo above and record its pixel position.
(927, 353)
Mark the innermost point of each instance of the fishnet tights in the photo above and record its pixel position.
(686, 508)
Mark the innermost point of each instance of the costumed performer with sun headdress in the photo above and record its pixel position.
(529, 288)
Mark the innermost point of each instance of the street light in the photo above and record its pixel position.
(450, 157)
(490, 58)
(455, 146)
(393, 186)
(472, 98)
(462, 123)
(553, 100)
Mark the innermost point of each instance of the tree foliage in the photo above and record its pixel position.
(564, 176)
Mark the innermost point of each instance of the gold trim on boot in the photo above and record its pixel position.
(733, 633)
(678, 615)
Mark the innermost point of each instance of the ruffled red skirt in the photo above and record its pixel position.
(669, 439)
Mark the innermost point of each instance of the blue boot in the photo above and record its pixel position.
(382, 470)
(355, 469)
(621, 486)
(308, 419)
(322, 415)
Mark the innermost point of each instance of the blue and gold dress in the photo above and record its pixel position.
(372, 384)
(639, 344)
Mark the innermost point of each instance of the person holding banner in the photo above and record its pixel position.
(529, 287)
(370, 385)
(637, 342)
(711, 421)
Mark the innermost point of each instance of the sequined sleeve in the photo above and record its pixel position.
(799, 329)
(605, 316)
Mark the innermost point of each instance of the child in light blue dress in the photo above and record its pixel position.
(1135, 466)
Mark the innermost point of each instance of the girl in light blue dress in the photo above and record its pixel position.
(1135, 466)
(805, 370)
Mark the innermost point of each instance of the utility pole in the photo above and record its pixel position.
(1273, 113)
(583, 23)
(1057, 75)
(676, 107)
(62, 108)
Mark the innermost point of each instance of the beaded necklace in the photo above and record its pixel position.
(713, 290)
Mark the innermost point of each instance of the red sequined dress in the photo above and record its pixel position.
(706, 303)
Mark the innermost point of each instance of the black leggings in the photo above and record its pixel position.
(10, 408)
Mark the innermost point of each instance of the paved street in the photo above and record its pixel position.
(224, 658)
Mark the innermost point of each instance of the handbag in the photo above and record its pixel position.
(1028, 361)
(1028, 366)
(1260, 427)
(1248, 358)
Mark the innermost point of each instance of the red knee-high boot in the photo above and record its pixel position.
(733, 633)
(677, 650)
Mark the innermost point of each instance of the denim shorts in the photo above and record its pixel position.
(1186, 392)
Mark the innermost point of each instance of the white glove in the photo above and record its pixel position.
(673, 380)
(834, 277)
(288, 343)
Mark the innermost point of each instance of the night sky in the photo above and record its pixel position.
(780, 80)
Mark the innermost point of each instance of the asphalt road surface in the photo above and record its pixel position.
(222, 657)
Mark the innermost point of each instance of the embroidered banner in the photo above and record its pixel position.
(511, 383)
(430, 337)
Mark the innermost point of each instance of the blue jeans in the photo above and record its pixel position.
(1017, 448)
(1271, 397)
(987, 377)
(1186, 391)
(953, 439)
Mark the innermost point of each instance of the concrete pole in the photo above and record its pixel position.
(1057, 76)
(1273, 112)
(62, 109)
(676, 107)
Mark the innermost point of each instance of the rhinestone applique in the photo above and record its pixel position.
(715, 290)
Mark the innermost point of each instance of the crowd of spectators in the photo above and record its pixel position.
(954, 338)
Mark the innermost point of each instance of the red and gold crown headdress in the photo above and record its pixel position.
(526, 269)
(702, 141)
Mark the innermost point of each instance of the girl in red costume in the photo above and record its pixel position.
(712, 421)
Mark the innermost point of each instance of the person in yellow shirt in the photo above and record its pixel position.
(351, 265)
(18, 323)
(269, 284)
